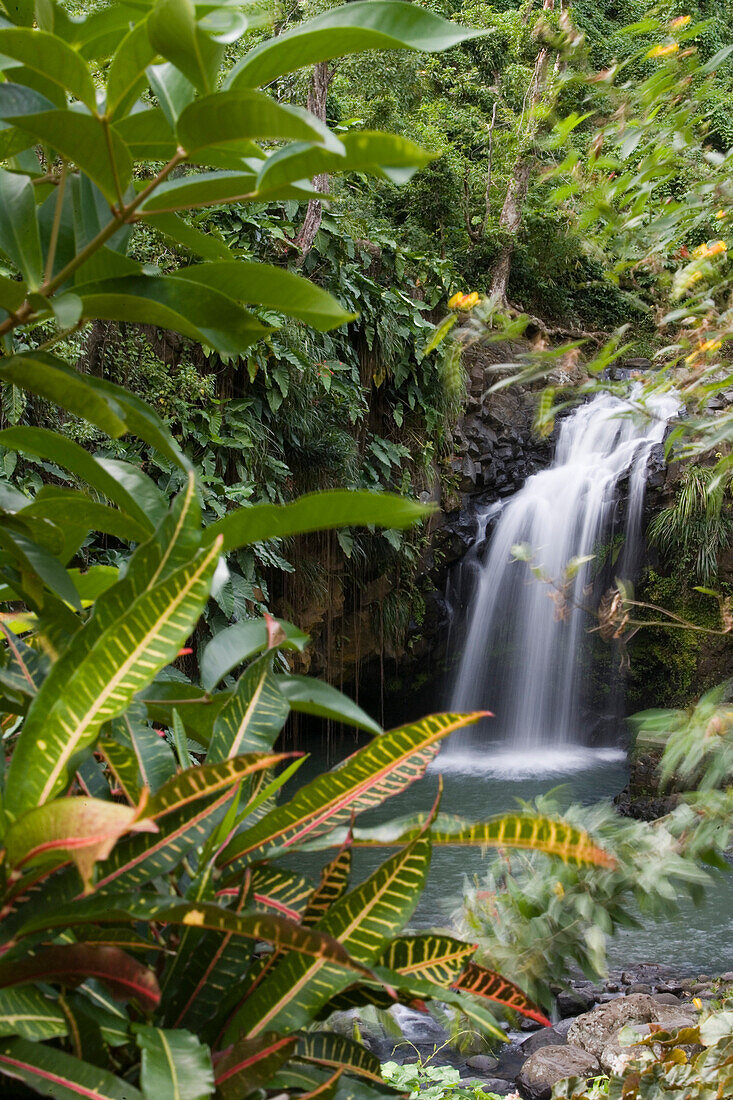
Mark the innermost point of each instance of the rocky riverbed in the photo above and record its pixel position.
(582, 1041)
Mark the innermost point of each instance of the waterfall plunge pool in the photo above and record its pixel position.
(480, 781)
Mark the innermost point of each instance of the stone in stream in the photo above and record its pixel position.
(547, 1066)
(571, 1002)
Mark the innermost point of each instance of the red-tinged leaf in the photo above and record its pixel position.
(275, 633)
(430, 956)
(251, 1063)
(51, 1072)
(390, 762)
(116, 909)
(481, 982)
(325, 1091)
(73, 964)
(281, 891)
(83, 830)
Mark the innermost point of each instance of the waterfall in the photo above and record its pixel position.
(523, 650)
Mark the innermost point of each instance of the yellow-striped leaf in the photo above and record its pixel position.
(254, 716)
(481, 982)
(333, 1051)
(251, 1063)
(334, 882)
(79, 696)
(384, 767)
(433, 957)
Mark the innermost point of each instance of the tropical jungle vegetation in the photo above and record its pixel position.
(203, 359)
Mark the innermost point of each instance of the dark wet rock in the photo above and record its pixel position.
(547, 1066)
(572, 1002)
(667, 999)
(482, 1063)
(548, 1037)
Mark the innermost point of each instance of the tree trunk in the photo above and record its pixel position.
(516, 193)
(317, 97)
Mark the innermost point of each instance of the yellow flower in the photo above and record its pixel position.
(716, 247)
(663, 51)
(559, 889)
(680, 21)
(721, 214)
(710, 345)
(697, 1003)
(455, 300)
(470, 300)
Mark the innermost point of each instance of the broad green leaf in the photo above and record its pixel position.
(235, 116)
(352, 28)
(272, 287)
(76, 510)
(74, 963)
(30, 1014)
(17, 99)
(83, 830)
(61, 1076)
(237, 643)
(197, 710)
(254, 716)
(387, 155)
(126, 78)
(175, 1065)
(137, 755)
(84, 691)
(137, 485)
(34, 560)
(387, 765)
(26, 669)
(205, 315)
(176, 35)
(363, 920)
(82, 140)
(333, 1051)
(200, 189)
(310, 696)
(53, 447)
(251, 1064)
(173, 90)
(59, 383)
(48, 55)
(19, 236)
(315, 512)
(207, 245)
(147, 135)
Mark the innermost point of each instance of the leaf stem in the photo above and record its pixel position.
(48, 273)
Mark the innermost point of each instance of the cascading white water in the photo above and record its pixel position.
(520, 660)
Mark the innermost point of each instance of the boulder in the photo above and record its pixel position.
(616, 1055)
(548, 1037)
(572, 1002)
(596, 1030)
(547, 1066)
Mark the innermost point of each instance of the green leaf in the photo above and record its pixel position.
(81, 140)
(35, 560)
(75, 510)
(431, 957)
(99, 474)
(126, 78)
(50, 56)
(207, 316)
(176, 35)
(251, 1063)
(200, 189)
(254, 716)
(235, 116)
(173, 90)
(264, 285)
(137, 755)
(19, 236)
(309, 696)
(386, 155)
(237, 643)
(175, 1065)
(207, 245)
(74, 963)
(387, 765)
(61, 1076)
(315, 512)
(30, 1014)
(284, 892)
(85, 689)
(147, 134)
(53, 379)
(352, 28)
(82, 830)
(480, 982)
